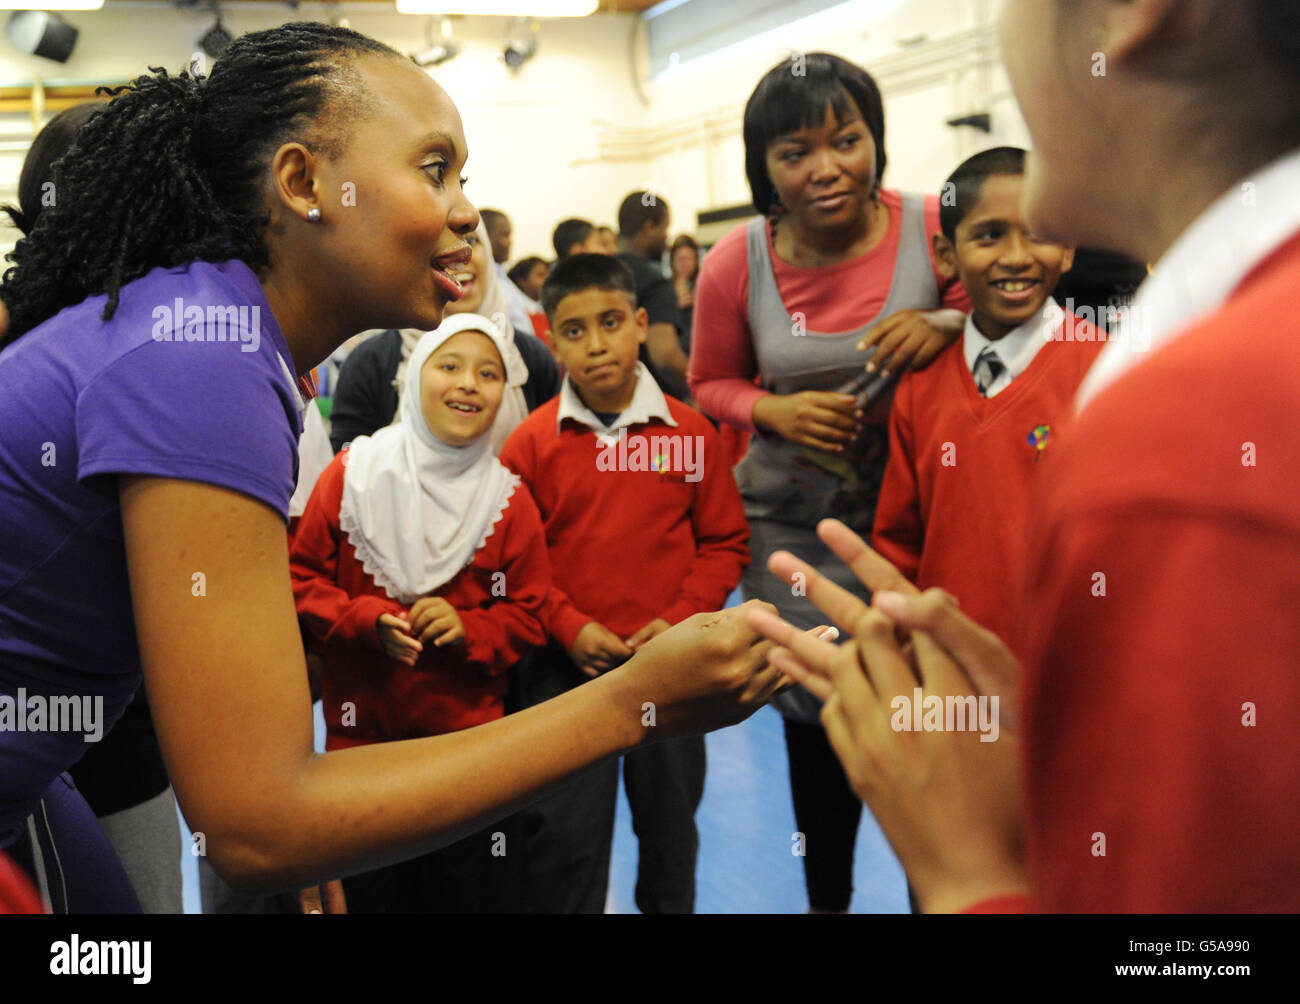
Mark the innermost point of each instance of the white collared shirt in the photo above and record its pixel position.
(1199, 273)
(519, 305)
(648, 402)
(1017, 348)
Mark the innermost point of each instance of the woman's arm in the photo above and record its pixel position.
(228, 689)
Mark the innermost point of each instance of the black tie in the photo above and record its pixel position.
(988, 367)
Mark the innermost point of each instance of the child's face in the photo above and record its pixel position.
(536, 279)
(1008, 273)
(461, 387)
(597, 334)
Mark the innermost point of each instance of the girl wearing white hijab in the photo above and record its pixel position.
(420, 568)
(485, 297)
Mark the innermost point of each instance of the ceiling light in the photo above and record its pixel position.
(500, 8)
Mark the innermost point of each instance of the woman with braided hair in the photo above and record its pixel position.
(211, 240)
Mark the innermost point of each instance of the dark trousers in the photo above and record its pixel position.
(664, 785)
(479, 874)
(569, 833)
(826, 811)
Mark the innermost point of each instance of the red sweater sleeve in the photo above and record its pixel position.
(329, 613)
(898, 533)
(562, 618)
(723, 365)
(498, 635)
(721, 536)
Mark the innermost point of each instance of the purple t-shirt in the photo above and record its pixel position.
(186, 381)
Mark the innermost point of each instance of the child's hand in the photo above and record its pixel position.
(911, 338)
(434, 619)
(597, 649)
(395, 636)
(648, 631)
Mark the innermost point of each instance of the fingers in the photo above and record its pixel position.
(309, 901)
(872, 570)
(333, 898)
(836, 602)
(982, 655)
(813, 653)
(784, 660)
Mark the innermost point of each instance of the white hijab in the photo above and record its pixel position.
(416, 509)
(514, 409)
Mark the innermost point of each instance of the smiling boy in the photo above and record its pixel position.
(969, 432)
(644, 527)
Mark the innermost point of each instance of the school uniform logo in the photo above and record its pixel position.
(671, 457)
(1038, 439)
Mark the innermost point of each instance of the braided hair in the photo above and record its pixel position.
(171, 170)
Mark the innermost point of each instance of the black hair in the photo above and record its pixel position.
(570, 232)
(50, 144)
(638, 209)
(961, 192)
(1277, 23)
(519, 271)
(580, 272)
(793, 95)
(171, 170)
(490, 216)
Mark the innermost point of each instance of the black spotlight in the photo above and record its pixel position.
(42, 34)
(215, 40)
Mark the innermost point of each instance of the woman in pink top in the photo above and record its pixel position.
(837, 267)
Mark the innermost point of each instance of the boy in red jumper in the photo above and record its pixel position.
(968, 433)
(420, 566)
(644, 526)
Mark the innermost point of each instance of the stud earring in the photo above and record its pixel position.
(313, 214)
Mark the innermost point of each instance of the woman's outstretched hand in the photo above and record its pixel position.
(947, 797)
(706, 672)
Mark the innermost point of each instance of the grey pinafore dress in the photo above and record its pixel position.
(788, 488)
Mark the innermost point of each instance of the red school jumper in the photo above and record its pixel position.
(1162, 716)
(629, 546)
(954, 508)
(448, 688)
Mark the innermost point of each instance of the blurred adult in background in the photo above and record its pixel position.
(122, 776)
(373, 375)
(576, 236)
(684, 266)
(643, 219)
(519, 308)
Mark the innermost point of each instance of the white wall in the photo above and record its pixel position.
(577, 128)
(705, 169)
(523, 130)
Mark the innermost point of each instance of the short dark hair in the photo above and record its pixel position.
(51, 143)
(785, 101)
(572, 231)
(580, 272)
(491, 216)
(519, 270)
(961, 192)
(638, 209)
